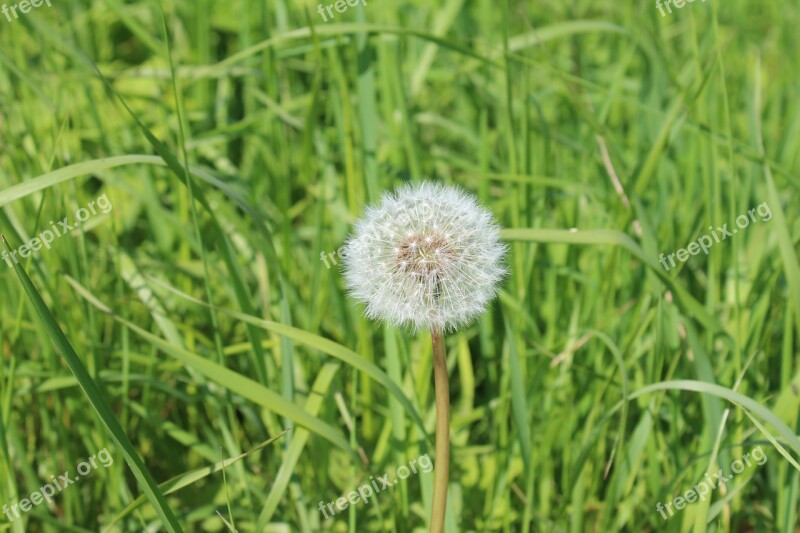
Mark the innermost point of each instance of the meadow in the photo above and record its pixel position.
(199, 331)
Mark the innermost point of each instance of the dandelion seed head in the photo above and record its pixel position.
(427, 257)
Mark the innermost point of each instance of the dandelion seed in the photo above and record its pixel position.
(446, 277)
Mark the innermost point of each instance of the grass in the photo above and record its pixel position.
(191, 326)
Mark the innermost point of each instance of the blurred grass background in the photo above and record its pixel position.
(600, 135)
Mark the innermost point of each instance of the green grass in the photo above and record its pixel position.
(191, 326)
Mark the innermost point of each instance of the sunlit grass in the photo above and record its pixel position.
(206, 322)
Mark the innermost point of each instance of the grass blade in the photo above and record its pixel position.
(184, 480)
(98, 402)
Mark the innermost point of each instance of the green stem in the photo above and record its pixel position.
(441, 471)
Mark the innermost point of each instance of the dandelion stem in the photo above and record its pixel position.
(441, 471)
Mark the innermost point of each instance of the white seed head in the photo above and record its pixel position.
(444, 257)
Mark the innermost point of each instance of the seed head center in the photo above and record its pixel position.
(425, 254)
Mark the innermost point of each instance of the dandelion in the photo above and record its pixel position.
(428, 257)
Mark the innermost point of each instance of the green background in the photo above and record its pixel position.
(199, 321)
